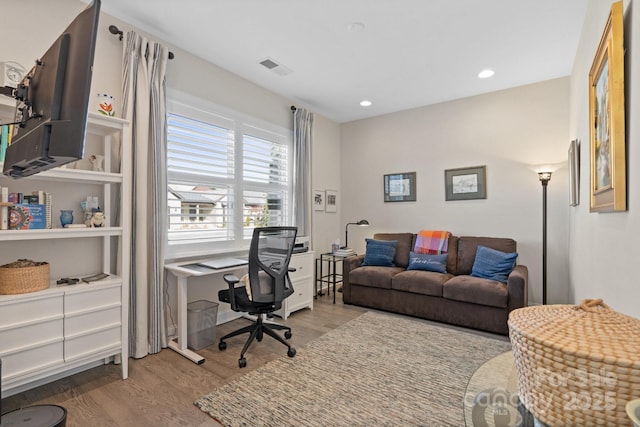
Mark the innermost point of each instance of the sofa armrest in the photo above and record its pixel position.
(518, 287)
(348, 265)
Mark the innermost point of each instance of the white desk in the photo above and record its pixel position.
(179, 344)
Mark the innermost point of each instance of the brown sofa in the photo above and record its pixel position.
(454, 297)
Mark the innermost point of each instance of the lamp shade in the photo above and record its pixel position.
(544, 176)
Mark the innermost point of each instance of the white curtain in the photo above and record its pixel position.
(302, 134)
(144, 105)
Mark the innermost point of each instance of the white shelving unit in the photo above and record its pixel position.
(65, 329)
(302, 280)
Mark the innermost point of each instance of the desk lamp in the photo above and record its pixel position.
(362, 223)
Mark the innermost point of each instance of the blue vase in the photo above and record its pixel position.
(66, 217)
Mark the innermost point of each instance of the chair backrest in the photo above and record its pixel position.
(269, 257)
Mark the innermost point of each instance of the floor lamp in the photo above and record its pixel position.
(545, 177)
(362, 222)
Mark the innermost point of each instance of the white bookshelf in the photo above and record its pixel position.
(62, 330)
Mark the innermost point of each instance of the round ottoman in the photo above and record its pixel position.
(576, 365)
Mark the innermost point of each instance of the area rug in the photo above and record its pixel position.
(375, 370)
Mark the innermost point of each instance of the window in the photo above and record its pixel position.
(213, 161)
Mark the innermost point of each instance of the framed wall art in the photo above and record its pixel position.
(331, 199)
(465, 183)
(607, 119)
(400, 187)
(318, 200)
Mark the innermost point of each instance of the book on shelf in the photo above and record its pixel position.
(40, 196)
(30, 199)
(27, 217)
(47, 210)
(4, 210)
(15, 197)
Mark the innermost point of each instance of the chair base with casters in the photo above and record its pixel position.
(258, 328)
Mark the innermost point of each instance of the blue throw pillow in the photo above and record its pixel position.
(380, 253)
(437, 263)
(493, 264)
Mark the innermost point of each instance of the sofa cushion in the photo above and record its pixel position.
(467, 246)
(403, 247)
(476, 290)
(420, 282)
(492, 264)
(437, 263)
(375, 277)
(379, 253)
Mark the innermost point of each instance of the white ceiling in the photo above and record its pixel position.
(411, 53)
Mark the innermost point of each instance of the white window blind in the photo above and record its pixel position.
(213, 161)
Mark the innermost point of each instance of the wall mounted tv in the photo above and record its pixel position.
(53, 101)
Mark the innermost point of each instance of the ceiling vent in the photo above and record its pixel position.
(274, 66)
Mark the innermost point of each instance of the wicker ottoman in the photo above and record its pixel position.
(576, 365)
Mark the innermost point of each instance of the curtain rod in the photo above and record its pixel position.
(116, 31)
(293, 108)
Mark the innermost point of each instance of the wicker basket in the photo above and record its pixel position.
(576, 365)
(24, 279)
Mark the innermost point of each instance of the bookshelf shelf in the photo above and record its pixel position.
(59, 233)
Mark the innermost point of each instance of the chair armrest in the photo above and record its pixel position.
(518, 287)
(349, 264)
(232, 280)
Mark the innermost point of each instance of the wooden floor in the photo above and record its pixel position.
(161, 388)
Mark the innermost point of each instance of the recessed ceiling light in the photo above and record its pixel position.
(485, 74)
(355, 27)
(365, 103)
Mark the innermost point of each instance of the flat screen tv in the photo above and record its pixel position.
(53, 101)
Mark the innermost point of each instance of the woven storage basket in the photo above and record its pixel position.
(24, 279)
(576, 365)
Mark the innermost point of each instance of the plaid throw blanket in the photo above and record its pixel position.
(432, 242)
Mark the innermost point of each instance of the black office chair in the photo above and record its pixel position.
(269, 285)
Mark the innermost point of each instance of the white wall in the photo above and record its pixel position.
(602, 246)
(508, 131)
(326, 176)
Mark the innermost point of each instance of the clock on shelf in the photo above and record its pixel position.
(12, 73)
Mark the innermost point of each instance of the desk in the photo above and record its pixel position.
(182, 273)
(332, 277)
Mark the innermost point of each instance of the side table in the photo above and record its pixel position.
(331, 277)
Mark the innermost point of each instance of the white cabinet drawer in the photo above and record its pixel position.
(30, 334)
(303, 292)
(93, 296)
(31, 360)
(94, 342)
(28, 310)
(303, 263)
(88, 321)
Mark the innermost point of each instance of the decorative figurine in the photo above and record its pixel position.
(96, 163)
(97, 220)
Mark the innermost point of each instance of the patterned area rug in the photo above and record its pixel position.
(376, 370)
